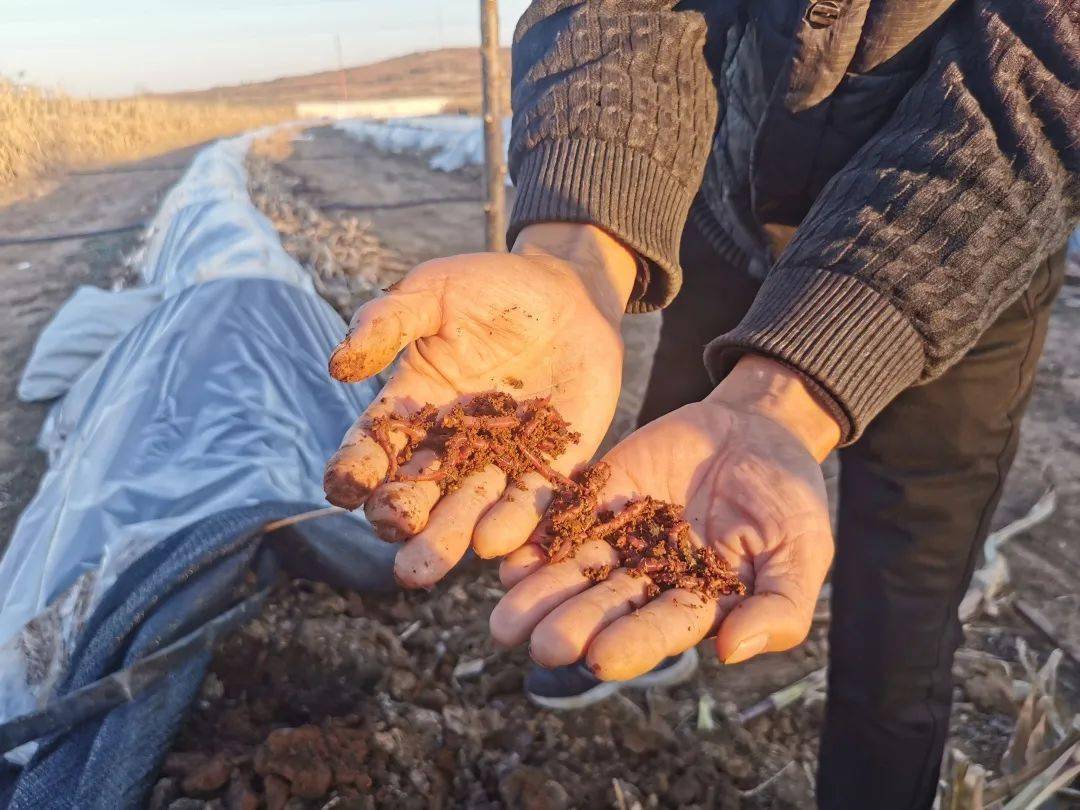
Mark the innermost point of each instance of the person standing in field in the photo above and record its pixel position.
(856, 209)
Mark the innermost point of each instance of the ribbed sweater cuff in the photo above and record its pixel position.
(618, 189)
(853, 346)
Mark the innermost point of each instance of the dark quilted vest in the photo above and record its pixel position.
(803, 86)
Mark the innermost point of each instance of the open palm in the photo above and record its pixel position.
(752, 493)
(523, 324)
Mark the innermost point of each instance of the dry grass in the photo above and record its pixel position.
(43, 131)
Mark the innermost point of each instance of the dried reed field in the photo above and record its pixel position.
(45, 131)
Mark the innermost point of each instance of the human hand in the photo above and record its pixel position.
(745, 463)
(540, 322)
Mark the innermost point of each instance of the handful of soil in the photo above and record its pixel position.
(488, 429)
(651, 537)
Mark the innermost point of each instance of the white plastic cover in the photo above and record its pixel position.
(208, 228)
(218, 397)
(450, 141)
(84, 328)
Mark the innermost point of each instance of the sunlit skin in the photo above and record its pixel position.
(744, 462)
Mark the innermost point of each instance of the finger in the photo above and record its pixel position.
(519, 564)
(361, 464)
(429, 556)
(517, 613)
(399, 509)
(670, 624)
(563, 636)
(779, 613)
(765, 622)
(381, 328)
(508, 523)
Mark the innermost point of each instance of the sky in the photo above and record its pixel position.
(117, 47)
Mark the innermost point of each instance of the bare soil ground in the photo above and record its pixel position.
(387, 698)
(436, 718)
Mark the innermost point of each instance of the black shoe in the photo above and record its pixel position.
(574, 687)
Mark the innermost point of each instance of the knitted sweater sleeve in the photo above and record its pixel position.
(938, 223)
(614, 113)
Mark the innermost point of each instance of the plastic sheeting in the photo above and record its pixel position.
(450, 141)
(83, 329)
(207, 227)
(217, 398)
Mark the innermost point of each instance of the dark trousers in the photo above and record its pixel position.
(917, 492)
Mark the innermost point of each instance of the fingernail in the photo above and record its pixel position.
(747, 648)
(537, 661)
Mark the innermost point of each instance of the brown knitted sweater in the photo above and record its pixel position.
(925, 154)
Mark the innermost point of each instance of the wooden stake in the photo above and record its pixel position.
(494, 160)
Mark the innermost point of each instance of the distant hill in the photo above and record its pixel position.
(450, 72)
